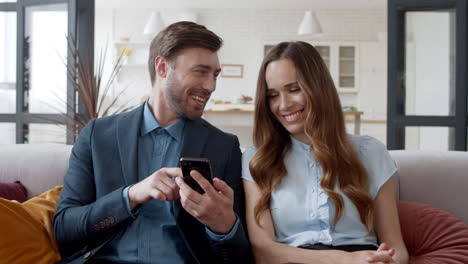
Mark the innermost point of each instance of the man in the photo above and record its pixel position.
(124, 200)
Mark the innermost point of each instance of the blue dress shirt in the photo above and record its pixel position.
(153, 236)
(299, 194)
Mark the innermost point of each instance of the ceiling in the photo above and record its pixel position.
(267, 4)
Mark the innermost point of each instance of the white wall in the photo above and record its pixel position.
(246, 31)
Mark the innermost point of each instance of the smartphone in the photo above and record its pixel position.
(202, 165)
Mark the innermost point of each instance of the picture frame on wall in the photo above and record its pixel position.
(232, 70)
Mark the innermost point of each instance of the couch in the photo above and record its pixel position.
(39, 167)
(431, 187)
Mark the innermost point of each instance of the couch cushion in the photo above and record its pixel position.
(39, 167)
(432, 235)
(13, 191)
(26, 229)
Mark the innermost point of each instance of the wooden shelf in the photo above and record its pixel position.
(248, 109)
(231, 108)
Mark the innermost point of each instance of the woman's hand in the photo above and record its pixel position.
(382, 255)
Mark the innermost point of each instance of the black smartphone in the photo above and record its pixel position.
(202, 165)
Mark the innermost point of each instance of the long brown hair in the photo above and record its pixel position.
(324, 126)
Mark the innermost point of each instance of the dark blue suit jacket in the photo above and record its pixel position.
(104, 160)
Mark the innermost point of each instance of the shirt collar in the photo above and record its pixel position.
(150, 124)
(299, 145)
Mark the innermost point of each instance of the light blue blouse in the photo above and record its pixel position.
(301, 211)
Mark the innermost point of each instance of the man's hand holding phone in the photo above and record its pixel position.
(158, 185)
(214, 208)
(210, 201)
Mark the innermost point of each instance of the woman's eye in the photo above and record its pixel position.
(271, 95)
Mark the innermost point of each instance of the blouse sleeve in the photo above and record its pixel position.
(378, 162)
(246, 158)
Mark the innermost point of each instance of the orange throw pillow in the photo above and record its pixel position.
(26, 228)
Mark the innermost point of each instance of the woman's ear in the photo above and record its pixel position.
(161, 66)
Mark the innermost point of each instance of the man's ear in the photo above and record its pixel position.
(161, 66)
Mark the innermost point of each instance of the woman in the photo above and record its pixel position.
(309, 186)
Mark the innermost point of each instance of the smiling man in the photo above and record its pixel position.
(124, 200)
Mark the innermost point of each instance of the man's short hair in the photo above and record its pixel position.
(169, 42)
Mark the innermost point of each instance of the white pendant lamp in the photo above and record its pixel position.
(310, 25)
(154, 25)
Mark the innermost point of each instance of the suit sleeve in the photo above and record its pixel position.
(236, 249)
(80, 220)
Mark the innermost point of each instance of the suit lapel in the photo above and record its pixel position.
(195, 137)
(128, 129)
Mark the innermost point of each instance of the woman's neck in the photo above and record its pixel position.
(302, 137)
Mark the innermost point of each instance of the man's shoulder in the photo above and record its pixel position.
(107, 125)
(114, 119)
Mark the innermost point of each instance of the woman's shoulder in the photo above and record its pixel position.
(247, 156)
(249, 153)
(372, 152)
(376, 159)
(367, 145)
(250, 149)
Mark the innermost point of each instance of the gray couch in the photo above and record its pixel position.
(439, 178)
(39, 167)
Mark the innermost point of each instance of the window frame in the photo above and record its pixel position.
(397, 120)
(80, 24)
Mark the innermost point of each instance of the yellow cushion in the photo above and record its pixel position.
(26, 229)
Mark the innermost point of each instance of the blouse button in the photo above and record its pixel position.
(311, 164)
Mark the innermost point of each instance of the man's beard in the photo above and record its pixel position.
(175, 99)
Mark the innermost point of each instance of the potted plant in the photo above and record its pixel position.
(94, 95)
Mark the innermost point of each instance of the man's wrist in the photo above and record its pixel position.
(131, 198)
(223, 237)
(226, 226)
(126, 198)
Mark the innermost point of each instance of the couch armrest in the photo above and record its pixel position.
(438, 178)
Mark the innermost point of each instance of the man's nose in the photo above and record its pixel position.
(210, 84)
